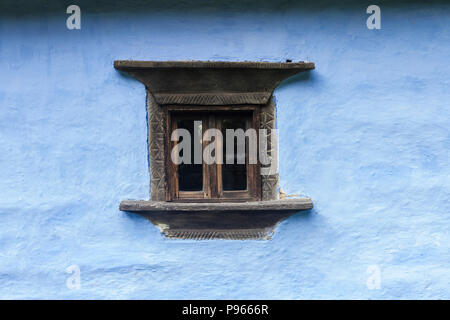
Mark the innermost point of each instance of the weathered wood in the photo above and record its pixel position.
(269, 183)
(208, 86)
(156, 149)
(237, 221)
(127, 64)
(249, 207)
(212, 174)
(210, 82)
(188, 108)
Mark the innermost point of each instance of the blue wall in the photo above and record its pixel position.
(365, 135)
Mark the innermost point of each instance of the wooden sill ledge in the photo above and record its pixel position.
(265, 206)
(218, 220)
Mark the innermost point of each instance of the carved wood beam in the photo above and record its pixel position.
(211, 82)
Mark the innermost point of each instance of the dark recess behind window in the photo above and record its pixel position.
(190, 176)
(234, 176)
(195, 182)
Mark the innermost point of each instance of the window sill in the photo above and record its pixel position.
(221, 220)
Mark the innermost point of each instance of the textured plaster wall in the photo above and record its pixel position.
(366, 135)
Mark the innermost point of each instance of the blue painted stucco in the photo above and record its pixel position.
(366, 135)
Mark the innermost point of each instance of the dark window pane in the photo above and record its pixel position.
(234, 176)
(190, 176)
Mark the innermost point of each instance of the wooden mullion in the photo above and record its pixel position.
(167, 161)
(213, 167)
(174, 167)
(219, 182)
(257, 167)
(206, 168)
(212, 174)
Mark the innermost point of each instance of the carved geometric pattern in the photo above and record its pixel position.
(213, 98)
(269, 187)
(156, 143)
(156, 138)
(236, 234)
(211, 84)
(269, 183)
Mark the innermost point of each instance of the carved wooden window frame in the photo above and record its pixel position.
(159, 149)
(210, 85)
(212, 174)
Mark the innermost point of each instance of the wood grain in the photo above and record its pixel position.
(269, 206)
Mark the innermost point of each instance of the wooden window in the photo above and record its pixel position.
(220, 181)
(211, 201)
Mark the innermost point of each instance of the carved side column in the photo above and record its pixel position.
(269, 183)
(156, 144)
